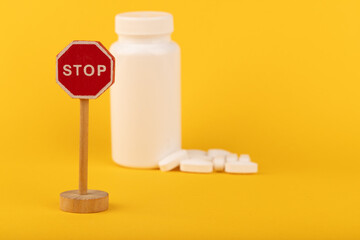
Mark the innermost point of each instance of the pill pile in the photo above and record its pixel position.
(199, 161)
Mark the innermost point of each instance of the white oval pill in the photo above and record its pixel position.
(219, 163)
(195, 153)
(217, 152)
(232, 157)
(241, 167)
(196, 165)
(203, 158)
(173, 160)
(244, 158)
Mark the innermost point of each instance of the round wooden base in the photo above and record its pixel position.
(94, 201)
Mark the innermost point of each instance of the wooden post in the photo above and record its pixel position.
(84, 200)
(83, 153)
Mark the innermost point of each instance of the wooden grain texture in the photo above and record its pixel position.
(83, 151)
(74, 202)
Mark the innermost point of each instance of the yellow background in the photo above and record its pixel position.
(276, 79)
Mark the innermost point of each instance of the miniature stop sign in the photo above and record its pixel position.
(85, 69)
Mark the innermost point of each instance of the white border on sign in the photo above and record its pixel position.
(111, 70)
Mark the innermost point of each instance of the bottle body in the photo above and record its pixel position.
(145, 100)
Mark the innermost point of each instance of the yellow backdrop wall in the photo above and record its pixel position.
(276, 79)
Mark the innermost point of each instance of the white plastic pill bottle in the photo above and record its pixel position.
(145, 98)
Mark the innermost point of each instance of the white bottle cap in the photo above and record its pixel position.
(144, 23)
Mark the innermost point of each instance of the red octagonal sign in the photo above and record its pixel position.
(85, 69)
